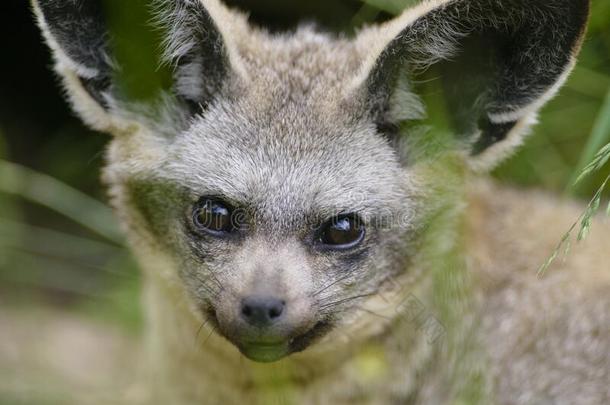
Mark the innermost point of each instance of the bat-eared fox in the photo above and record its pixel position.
(309, 210)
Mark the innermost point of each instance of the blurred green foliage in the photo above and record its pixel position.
(78, 270)
(59, 246)
(136, 49)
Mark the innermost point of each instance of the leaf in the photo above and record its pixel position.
(547, 263)
(585, 226)
(595, 205)
(567, 248)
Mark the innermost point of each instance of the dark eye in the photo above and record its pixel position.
(342, 232)
(213, 216)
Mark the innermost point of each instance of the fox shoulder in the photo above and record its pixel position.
(546, 333)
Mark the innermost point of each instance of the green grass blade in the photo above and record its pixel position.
(44, 241)
(52, 193)
(600, 135)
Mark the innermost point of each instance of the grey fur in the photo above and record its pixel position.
(290, 135)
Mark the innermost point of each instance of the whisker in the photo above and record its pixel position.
(211, 291)
(204, 284)
(372, 312)
(200, 329)
(209, 334)
(334, 303)
(324, 288)
(217, 280)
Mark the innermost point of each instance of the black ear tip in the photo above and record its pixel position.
(78, 26)
(586, 7)
(581, 10)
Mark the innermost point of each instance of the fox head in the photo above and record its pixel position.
(276, 176)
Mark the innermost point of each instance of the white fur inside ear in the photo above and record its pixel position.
(179, 24)
(526, 117)
(499, 151)
(85, 106)
(190, 81)
(375, 40)
(405, 104)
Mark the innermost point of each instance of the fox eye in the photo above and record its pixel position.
(213, 216)
(342, 232)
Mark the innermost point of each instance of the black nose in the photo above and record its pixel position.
(262, 311)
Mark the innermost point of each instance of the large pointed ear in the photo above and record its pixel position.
(495, 62)
(122, 61)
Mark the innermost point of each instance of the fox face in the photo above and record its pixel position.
(289, 222)
(276, 180)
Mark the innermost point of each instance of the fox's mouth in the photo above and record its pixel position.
(266, 350)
